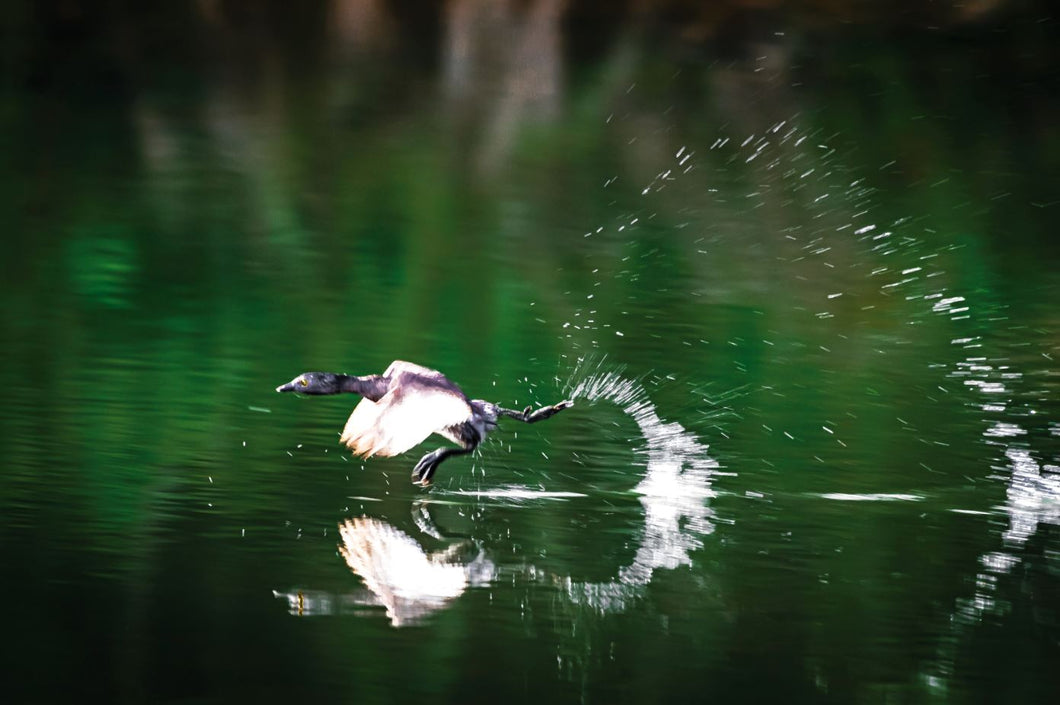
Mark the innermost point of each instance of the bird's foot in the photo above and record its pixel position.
(424, 470)
(546, 411)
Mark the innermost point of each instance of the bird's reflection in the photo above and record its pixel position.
(400, 575)
(409, 582)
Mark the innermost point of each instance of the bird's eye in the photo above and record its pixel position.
(304, 382)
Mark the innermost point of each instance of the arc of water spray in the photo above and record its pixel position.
(674, 491)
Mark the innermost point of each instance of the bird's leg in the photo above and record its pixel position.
(424, 470)
(528, 416)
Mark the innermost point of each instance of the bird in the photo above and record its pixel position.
(407, 403)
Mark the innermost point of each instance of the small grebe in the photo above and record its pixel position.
(407, 403)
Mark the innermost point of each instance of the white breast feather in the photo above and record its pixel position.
(403, 418)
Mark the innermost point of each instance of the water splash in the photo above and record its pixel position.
(674, 491)
(515, 494)
(872, 497)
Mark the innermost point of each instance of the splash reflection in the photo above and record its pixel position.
(1032, 499)
(1032, 492)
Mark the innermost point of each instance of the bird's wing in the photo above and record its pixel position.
(400, 368)
(403, 418)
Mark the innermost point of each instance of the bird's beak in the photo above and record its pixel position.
(289, 387)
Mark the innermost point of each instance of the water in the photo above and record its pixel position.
(798, 277)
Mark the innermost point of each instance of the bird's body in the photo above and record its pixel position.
(405, 405)
(418, 402)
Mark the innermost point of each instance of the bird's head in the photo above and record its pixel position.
(314, 383)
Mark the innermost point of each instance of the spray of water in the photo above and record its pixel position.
(674, 491)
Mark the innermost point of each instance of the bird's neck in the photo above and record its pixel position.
(371, 387)
(346, 384)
